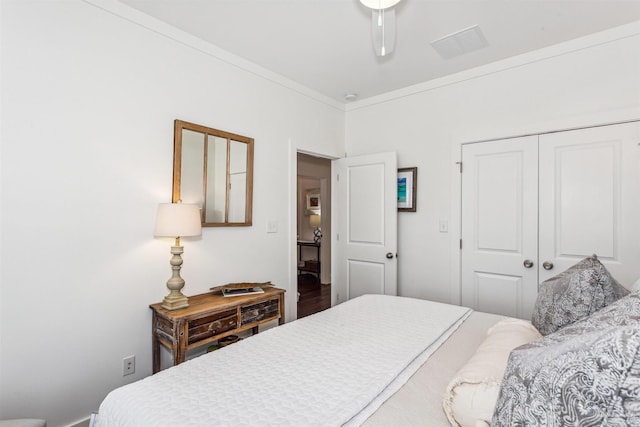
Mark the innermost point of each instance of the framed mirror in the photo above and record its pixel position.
(214, 169)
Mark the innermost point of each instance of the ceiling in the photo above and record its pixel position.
(326, 45)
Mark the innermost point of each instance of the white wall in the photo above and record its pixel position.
(88, 103)
(593, 80)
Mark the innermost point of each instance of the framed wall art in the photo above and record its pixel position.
(313, 202)
(407, 186)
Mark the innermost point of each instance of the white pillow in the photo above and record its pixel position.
(635, 286)
(472, 393)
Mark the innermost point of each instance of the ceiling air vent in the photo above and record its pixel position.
(460, 42)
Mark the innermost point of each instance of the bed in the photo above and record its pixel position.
(382, 360)
(336, 367)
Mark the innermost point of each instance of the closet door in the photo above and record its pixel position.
(499, 226)
(589, 199)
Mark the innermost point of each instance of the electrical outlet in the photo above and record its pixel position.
(128, 365)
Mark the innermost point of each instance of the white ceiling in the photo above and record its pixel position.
(326, 45)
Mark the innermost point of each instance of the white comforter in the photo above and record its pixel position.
(329, 369)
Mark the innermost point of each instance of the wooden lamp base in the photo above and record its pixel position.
(176, 299)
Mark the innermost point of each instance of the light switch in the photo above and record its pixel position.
(272, 226)
(444, 226)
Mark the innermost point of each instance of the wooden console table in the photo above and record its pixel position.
(209, 317)
(309, 266)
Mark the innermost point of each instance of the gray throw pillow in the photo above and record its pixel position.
(574, 294)
(586, 374)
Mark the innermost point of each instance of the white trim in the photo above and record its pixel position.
(293, 231)
(454, 225)
(162, 28)
(292, 308)
(85, 422)
(139, 18)
(549, 52)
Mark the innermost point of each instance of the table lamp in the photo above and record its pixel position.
(177, 220)
(314, 221)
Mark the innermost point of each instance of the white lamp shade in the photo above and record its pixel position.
(379, 4)
(314, 220)
(178, 220)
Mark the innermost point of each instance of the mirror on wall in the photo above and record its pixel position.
(213, 169)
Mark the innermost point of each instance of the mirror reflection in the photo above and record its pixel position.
(213, 169)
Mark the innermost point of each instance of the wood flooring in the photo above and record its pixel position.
(314, 296)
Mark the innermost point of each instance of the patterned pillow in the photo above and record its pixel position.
(574, 294)
(586, 374)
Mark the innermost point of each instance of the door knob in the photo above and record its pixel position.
(547, 265)
(389, 255)
(528, 263)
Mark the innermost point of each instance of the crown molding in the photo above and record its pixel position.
(157, 26)
(560, 49)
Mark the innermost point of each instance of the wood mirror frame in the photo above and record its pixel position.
(214, 169)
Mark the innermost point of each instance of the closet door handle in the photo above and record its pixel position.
(389, 255)
(547, 265)
(528, 263)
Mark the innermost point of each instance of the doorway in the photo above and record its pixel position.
(313, 230)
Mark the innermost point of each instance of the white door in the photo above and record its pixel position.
(587, 201)
(364, 226)
(499, 226)
(590, 199)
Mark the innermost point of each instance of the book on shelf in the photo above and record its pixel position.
(241, 291)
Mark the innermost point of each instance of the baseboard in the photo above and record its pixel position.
(81, 423)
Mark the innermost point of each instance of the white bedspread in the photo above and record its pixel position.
(329, 369)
